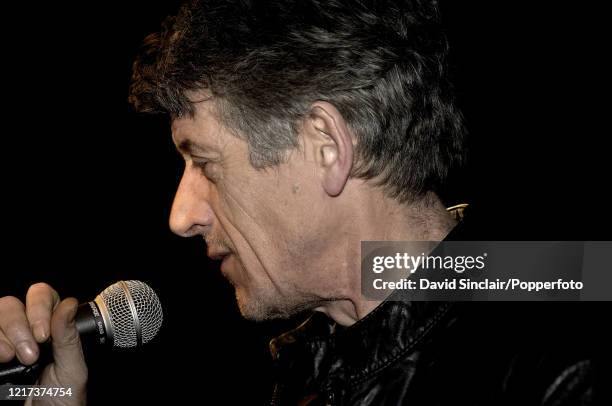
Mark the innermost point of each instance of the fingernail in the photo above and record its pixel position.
(40, 332)
(26, 352)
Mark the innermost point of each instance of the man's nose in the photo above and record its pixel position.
(191, 211)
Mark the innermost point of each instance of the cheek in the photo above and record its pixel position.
(256, 228)
(265, 212)
(239, 217)
(250, 206)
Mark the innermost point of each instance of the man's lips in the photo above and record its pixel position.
(225, 256)
(218, 255)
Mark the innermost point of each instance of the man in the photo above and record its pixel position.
(306, 128)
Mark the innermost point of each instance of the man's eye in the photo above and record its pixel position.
(200, 163)
(204, 166)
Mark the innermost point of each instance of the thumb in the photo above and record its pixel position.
(68, 356)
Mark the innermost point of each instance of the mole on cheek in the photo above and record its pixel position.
(295, 189)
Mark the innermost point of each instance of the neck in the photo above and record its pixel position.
(381, 219)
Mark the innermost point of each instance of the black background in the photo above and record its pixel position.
(87, 184)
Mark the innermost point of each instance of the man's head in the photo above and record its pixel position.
(294, 117)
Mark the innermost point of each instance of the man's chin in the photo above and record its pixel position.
(256, 310)
(260, 309)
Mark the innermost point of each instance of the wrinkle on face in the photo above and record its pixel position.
(260, 256)
(274, 218)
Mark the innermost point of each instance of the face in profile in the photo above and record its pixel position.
(265, 225)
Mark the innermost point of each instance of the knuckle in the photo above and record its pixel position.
(10, 302)
(17, 333)
(16, 328)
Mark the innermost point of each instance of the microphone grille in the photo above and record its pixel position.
(135, 313)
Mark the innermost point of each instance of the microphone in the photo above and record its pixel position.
(126, 314)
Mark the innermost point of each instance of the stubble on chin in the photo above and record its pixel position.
(264, 307)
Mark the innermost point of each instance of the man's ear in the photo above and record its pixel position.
(331, 144)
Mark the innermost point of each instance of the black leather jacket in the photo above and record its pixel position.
(438, 353)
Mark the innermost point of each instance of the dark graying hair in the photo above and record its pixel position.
(380, 62)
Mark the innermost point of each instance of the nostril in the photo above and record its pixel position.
(194, 230)
(181, 224)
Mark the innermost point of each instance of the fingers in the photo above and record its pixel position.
(67, 351)
(16, 331)
(44, 316)
(7, 352)
(41, 301)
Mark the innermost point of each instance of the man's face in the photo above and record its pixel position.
(264, 224)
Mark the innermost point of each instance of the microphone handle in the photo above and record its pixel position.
(91, 328)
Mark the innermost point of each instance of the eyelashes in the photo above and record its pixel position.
(200, 163)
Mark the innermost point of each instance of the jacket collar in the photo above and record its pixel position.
(327, 352)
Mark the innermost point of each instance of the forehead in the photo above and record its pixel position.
(203, 128)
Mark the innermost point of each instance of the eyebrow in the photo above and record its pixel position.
(188, 147)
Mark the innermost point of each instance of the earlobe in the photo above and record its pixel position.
(336, 148)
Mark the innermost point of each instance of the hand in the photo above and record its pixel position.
(44, 316)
